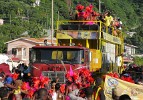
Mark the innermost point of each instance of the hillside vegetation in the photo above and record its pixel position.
(21, 16)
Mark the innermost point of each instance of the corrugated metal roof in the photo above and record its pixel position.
(35, 40)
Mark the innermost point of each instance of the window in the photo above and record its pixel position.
(24, 51)
(14, 51)
(70, 55)
(55, 55)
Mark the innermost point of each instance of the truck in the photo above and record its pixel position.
(78, 46)
(58, 59)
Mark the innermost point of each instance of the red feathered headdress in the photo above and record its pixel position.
(68, 77)
(90, 79)
(75, 76)
(36, 82)
(91, 6)
(95, 13)
(87, 85)
(25, 86)
(51, 92)
(79, 7)
(88, 9)
(43, 80)
(85, 72)
(79, 84)
(31, 92)
(15, 76)
(62, 88)
(81, 14)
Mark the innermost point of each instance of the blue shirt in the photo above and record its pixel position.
(27, 70)
(8, 80)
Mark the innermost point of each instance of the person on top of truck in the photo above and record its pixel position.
(79, 12)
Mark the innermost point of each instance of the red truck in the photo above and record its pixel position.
(54, 61)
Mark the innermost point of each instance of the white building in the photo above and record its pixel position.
(1, 21)
(131, 33)
(130, 49)
(129, 52)
(37, 3)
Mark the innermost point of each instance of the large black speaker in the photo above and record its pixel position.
(73, 27)
(84, 27)
(63, 27)
(79, 27)
(69, 27)
(94, 27)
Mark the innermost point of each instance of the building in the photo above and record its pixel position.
(130, 49)
(20, 47)
(37, 3)
(129, 52)
(1, 21)
(131, 33)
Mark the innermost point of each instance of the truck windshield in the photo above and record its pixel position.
(52, 56)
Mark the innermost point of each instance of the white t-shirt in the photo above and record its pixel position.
(119, 61)
(120, 25)
(1, 83)
(54, 96)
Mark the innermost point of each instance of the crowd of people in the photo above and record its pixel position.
(132, 73)
(20, 85)
(114, 24)
(81, 85)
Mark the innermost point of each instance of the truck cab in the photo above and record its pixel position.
(55, 61)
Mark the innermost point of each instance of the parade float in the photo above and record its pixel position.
(80, 43)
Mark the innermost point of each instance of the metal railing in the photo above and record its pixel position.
(55, 74)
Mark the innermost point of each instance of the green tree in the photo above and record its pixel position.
(21, 16)
(138, 61)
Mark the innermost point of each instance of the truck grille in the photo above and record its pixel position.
(54, 74)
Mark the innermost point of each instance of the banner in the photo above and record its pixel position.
(111, 38)
(77, 35)
(122, 87)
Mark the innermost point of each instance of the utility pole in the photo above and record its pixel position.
(28, 15)
(47, 25)
(52, 30)
(58, 16)
(10, 18)
(99, 6)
